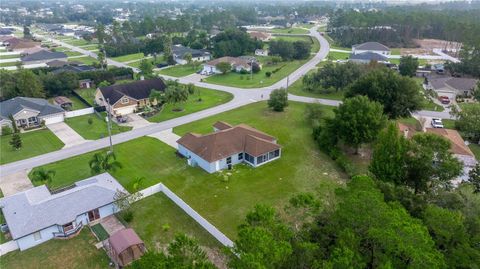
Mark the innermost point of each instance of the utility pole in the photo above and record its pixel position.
(288, 77)
(251, 68)
(109, 125)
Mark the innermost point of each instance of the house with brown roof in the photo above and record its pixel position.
(262, 36)
(18, 44)
(459, 149)
(228, 145)
(124, 99)
(237, 63)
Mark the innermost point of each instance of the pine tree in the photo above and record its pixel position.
(16, 141)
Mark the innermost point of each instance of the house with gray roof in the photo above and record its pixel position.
(452, 86)
(43, 56)
(179, 52)
(37, 215)
(367, 57)
(371, 47)
(29, 112)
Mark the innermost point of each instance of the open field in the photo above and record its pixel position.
(96, 130)
(129, 57)
(293, 30)
(224, 198)
(85, 60)
(75, 253)
(210, 98)
(33, 143)
(180, 70)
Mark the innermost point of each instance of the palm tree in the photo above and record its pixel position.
(43, 176)
(103, 162)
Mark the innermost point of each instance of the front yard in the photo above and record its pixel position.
(87, 60)
(33, 143)
(96, 130)
(129, 57)
(210, 98)
(292, 31)
(224, 198)
(76, 253)
(180, 70)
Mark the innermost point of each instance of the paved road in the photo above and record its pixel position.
(241, 97)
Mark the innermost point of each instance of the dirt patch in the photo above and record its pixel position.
(426, 46)
(216, 257)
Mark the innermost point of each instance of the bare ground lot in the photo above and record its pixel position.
(426, 46)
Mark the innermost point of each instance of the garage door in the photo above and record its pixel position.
(125, 110)
(53, 119)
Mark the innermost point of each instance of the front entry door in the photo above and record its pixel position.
(93, 215)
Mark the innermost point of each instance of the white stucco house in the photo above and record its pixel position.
(371, 47)
(35, 216)
(452, 86)
(228, 145)
(237, 63)
(30, 112)
(367, 57)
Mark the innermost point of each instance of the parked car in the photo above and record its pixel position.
(444, 100)
(437, 123)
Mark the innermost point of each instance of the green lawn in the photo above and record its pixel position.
(293, 30)
(85, 60)
(33, 143)
(335, 55)
(339, 48)
(90, 47)
(412, 122)
(259, 79)
(475, 148)
(99, 231)
(428, 104)
(76, 103)
(129, 57)
(180, 70)
(224, 198)
(87, 94)
(210, 98)
(157, 220)
(12, 56)
(96, 130)
(61, 49)
(77, 42)
(8, 64)
(76, 253)
(72, 53)
(448, 124)
(395, 51)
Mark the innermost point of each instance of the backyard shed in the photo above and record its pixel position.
(125, 247)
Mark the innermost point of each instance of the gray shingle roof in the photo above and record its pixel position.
(180, 51)
(371, 46)
(43, 55)
(15, 105)
(36, 209)
(138, 90)
(372, 56)
(461, 84)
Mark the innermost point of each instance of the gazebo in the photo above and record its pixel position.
(125, 247)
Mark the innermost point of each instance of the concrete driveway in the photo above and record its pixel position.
(167, 137)
(135, 121)
(65, 133)
(14, 183)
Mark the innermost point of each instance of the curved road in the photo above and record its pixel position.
(241, 97)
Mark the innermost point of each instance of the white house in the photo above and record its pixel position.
(367, 57)
(371, 47)
(238, 64)
(261, 52)
(179, 52)
(36, 215)
(228, 145)
(452, 86)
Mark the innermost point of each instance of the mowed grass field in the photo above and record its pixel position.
(180, 70)
(129, 57)
(33, 143)
(96, 130)
(224, 198)
(209, 98)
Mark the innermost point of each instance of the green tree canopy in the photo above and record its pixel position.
(278, 100)
(223, 67)
(408, 66)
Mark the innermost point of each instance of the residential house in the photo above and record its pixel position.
(123, 99)
(459, 149)
(179, 52)
(262, 36)
(43, 56)
(73, 68)
(37, 215)
(452, 86)
(29, 112)
(18, 44)
(65, 32)
(6, 32)
(374, 47)
(261, 52)
(238, 64)
(228, 145)
(367, 57)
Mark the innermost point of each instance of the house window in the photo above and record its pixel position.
(249, 158)
(240, 156)
(229, 160)
(125, 100)
(32, 120)
(67, 227)
(37, 236)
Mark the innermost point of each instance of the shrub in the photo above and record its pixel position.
(278, 100)
(268, 74)
(6, 130)
(243, 72)
(165, 227)
(127, 215)
(90, 121)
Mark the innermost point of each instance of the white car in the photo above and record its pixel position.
(437, 123)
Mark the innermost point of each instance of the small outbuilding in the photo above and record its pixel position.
(64, 102)
(124, 247)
